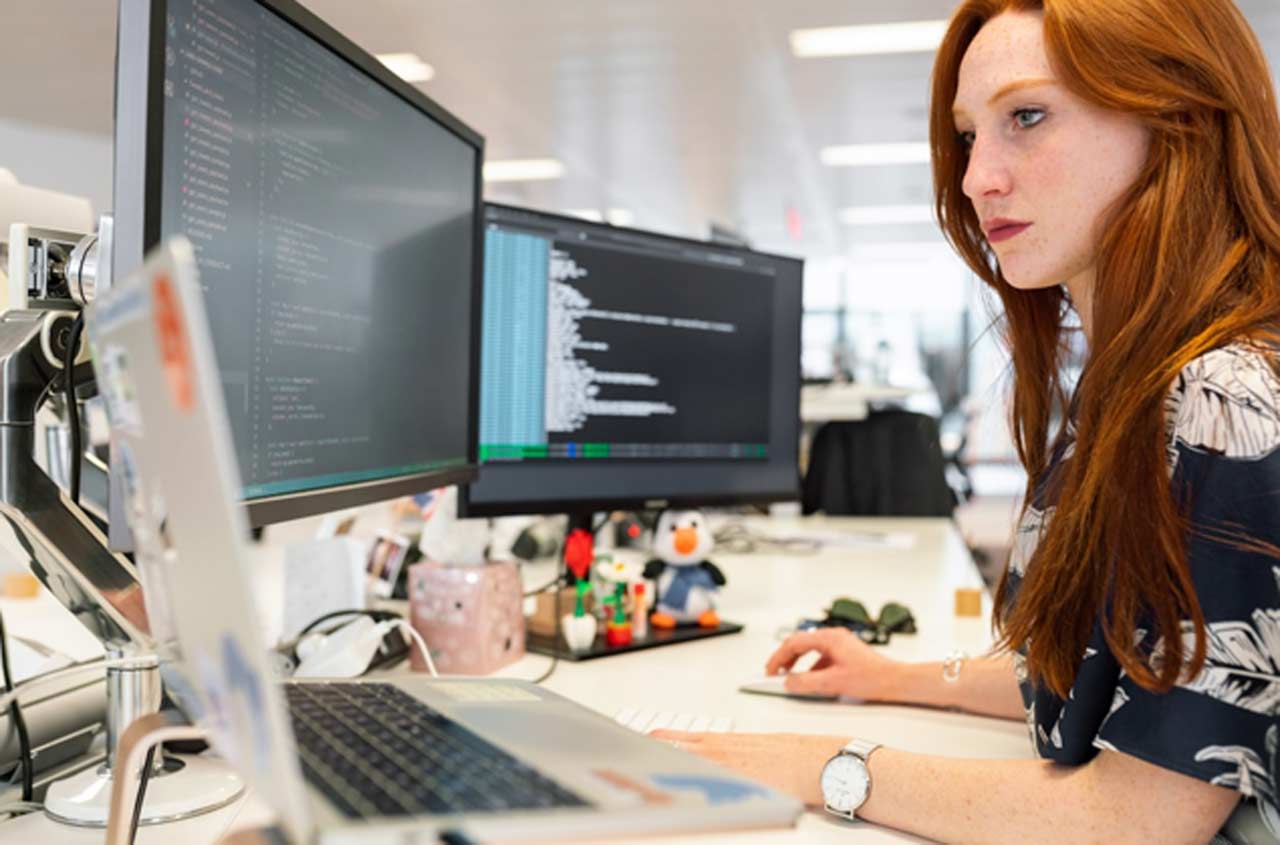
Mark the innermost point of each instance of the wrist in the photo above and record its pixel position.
(918, 683)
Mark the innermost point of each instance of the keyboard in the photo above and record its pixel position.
(374, 750)
(647, 721)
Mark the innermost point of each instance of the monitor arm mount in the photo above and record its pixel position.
(50, 282)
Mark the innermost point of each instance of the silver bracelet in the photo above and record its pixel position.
(951, 666)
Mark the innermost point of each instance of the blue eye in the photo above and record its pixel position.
(966, 139)
(1026, 118)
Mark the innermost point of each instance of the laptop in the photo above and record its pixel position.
(401, 758)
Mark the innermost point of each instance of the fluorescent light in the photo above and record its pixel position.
(615, 216)
(881, 215)
(407, 66)
(620, 217)
(875, 155)
(869, 40)
(523, 170)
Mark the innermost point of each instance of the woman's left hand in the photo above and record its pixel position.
(790, 763)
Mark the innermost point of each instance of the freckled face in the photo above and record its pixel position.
(1044, 165)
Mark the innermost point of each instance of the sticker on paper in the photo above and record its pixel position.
(714, 790)
(116, 387)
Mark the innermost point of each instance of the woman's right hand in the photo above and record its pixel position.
(846, 665)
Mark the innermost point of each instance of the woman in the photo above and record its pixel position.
(1119, 159)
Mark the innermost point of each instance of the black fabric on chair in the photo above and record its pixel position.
(889, 464)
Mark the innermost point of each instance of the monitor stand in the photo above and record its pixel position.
(100, 588)
(555, 646)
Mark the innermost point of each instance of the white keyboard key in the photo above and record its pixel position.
(720, 725)
(643, 718)
(682, 722)
(645, 721)
(663, 721)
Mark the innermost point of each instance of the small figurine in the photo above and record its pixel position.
(579, 627)
(687, 581)
(614, 579)
(639, 611)
(617, 630)
(613, 576)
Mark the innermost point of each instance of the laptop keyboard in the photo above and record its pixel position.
(375, 750)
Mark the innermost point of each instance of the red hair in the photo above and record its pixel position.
(1189, 262)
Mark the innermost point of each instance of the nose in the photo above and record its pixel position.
(987, 174)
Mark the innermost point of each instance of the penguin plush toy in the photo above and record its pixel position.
(687, 581)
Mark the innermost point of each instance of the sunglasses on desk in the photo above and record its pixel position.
(849, 613)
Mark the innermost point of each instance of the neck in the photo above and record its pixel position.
(1080, 288)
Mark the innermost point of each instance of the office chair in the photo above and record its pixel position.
(890, 464)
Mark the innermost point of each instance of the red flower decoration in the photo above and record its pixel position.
(579, 551)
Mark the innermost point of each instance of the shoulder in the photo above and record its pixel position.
(1227, 402)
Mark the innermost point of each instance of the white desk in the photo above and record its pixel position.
(766, 592)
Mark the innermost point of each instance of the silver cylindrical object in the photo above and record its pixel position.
(133, 691)
(82, 270)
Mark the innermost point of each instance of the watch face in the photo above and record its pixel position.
(845, 783)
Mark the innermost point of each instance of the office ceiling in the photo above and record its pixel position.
(682, 112)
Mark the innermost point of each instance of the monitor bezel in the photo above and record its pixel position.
(137, 189)
(468, 508)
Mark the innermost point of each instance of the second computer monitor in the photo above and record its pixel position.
(334, 211)
(625, 369)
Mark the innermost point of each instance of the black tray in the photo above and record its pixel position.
(552, 646)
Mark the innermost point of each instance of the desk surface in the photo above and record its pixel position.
(767, 591)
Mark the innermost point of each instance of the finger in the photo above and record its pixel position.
(682, 737)
(822, 682)
(824, 662)
(792, 648)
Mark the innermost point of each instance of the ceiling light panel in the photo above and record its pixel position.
(523, 170)
(868, 40)
(408, 66)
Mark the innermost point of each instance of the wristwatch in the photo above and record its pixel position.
(846, 781)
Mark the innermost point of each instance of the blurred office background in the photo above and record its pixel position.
(750, 116)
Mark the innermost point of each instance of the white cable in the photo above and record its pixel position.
(422, 645)
(20, 808)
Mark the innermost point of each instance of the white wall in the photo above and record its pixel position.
(58, 159)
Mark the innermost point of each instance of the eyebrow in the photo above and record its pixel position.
(1016, 85)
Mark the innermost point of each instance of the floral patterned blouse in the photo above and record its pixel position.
(1222, 726)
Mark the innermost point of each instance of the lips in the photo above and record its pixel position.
(1000, 229)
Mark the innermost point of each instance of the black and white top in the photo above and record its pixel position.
(1222, 726)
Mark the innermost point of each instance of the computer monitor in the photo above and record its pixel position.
(335, 214)
(623, 369)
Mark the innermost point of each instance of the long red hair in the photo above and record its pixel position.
(1189, 262)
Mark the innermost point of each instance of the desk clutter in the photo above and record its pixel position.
(611, 604)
